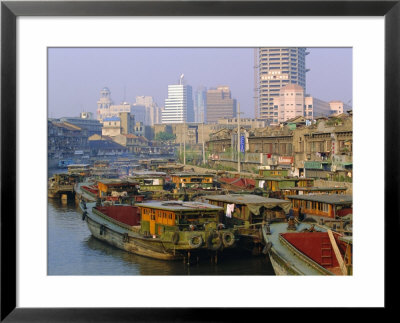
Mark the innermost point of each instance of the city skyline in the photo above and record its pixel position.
(77, 75)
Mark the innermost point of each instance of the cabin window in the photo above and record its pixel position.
(314, 205)
(153, 217)
(308, 205)
(320, 206)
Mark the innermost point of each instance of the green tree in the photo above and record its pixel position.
(165, 136)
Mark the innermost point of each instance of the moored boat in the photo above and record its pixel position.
(307, 249)
(247, 212)
(62, 184)
(160, 229)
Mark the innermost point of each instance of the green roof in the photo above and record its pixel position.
(180, 206)
(253, 202)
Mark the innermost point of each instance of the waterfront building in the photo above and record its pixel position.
(64, 139)
(276, 67)
(179, 104)
(86, 122)
(219, 104)
(200, 99)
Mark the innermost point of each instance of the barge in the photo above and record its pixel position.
(246, 213)
(306, 249)
(162, 230)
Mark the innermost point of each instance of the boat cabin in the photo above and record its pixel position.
(149, 181)
(101, 163)
(62, 183)
(322, 206)
(117, 188)
(246, 213)
(170, 168)
(249, 209)
(189, 180)
(158, 217)
(81, 169)
(312, 190)
(273, 172)
(276, 184)
(152, 164)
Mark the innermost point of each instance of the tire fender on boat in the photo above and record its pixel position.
(228, 239)
(196, 241)
(214, 241)
(102, 229)
(175, 238)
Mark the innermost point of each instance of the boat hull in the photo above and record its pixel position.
(147, 247)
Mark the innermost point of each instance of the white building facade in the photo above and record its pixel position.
(179, 104)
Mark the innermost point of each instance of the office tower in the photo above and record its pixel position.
(220, 104)
(179, 104)
(200, 99)
(276, 68)
(150, 107)
(139, 111)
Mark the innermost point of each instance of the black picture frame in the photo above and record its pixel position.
(10, 10)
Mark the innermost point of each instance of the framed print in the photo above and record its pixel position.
(41, 37)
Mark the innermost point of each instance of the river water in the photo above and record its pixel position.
(72, 250)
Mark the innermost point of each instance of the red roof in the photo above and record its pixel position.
(240, 182)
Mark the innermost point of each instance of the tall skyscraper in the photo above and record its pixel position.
(220, 104)
(179, 104)
(276, 68)
(200, 99)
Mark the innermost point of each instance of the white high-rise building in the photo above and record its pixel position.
(275, 68)
(179, 104)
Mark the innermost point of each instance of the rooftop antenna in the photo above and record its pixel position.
(124, 93)
(181, 79)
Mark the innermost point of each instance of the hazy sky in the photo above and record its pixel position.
(76, 75)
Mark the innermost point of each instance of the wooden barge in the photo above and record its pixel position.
(79, 169)
(302, 249)
(161, 230)
(332, 210)
(62, 185)
(247, 213)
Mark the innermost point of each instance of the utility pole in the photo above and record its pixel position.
(238, 137)
(184, 144)
(202, 138)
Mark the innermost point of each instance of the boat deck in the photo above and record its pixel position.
(289, 254)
